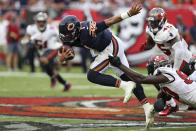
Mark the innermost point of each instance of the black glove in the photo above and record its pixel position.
(192, 63)
(150, 68)
(115, 61)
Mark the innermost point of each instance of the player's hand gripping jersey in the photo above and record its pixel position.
(44, 40)
(179, 85)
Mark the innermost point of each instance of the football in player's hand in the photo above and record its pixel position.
(65, 48)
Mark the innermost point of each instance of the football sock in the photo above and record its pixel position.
(60, 79)
(138, 91)
(53, 80)
(122, 84)
(49, 70)
(102, 79)
(171, 102)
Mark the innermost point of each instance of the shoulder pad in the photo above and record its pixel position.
(169, 32)
(167, 72)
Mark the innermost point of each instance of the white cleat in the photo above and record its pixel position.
(149, 112)
(128, 88)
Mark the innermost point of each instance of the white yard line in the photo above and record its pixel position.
(86, 87)
(27, 74)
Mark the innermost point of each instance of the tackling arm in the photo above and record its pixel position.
(135, 9)
(139, 78)
(135, 76)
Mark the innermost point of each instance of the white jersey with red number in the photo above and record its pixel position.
(179, 85)
(44, 40)
(162, 38)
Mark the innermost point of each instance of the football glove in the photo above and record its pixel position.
(115, 61)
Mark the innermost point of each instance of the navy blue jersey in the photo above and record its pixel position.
(93, 35)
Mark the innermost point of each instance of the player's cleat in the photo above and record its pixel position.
(53, 82)
(128, 88)
(67, 86)
(149, 112)
(168, 110)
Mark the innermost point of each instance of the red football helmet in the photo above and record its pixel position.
(156, 19)
(155, 62)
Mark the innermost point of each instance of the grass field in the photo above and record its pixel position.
(32, 86)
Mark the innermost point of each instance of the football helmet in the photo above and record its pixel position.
(156, 19)
(69, 29)
(41, 21)
(157, 61)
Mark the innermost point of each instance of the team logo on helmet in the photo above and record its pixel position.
(159, 59)
(70, 26)
(161, 15)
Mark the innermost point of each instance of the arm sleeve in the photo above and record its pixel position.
(179, 53)
(163, 71)
(100, 26)
(169, 76)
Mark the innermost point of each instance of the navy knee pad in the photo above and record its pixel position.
(91, 76)
(101, 79)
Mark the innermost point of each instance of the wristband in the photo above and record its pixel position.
(125, 15)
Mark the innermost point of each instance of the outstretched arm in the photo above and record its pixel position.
(135, 9)
(135, 76)
(139, 78)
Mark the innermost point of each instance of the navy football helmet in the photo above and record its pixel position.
(69, 29)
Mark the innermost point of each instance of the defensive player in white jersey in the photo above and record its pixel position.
(170, 81)
(45, 38)
(167, 38)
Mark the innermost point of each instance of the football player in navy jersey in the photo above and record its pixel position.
(97, 38)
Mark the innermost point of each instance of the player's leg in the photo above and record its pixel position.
(97, 76)
(48, 67)
(169, 105)
(138, 91)
(58, 77)
(52, 72)
(10, 48)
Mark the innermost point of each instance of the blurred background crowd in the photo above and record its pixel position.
(15, 15)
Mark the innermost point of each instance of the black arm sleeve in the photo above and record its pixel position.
(101, 26)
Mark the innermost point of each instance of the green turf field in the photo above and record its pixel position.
(23, 84)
